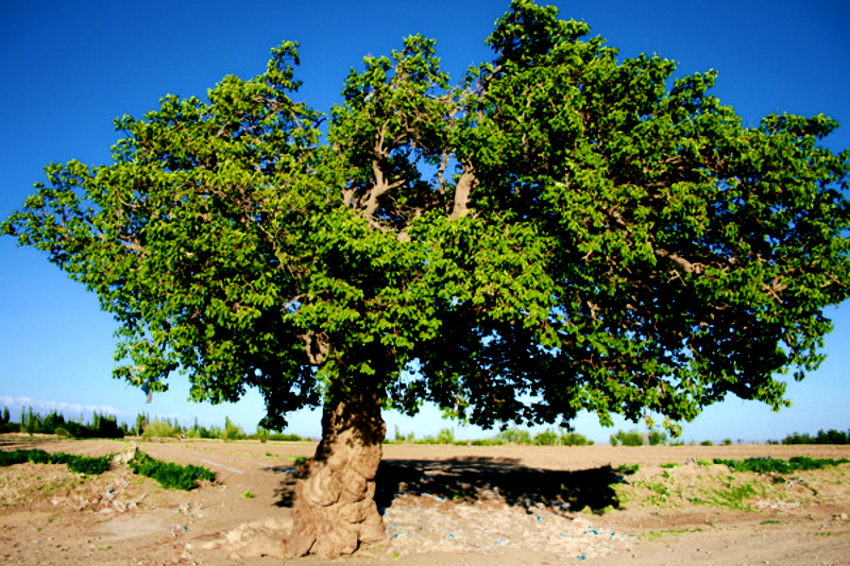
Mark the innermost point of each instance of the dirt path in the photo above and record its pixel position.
(442, 504)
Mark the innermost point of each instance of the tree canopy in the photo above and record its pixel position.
(563, 230)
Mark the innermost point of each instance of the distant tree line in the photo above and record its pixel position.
(509, 436)
(100, 426)
(822, 437)
(107, 426)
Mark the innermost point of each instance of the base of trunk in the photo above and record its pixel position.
(334, 511)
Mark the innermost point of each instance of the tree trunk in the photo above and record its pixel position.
(334, 509)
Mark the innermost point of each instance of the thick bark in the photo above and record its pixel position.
(334, 509)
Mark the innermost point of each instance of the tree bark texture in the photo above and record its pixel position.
(334, 511)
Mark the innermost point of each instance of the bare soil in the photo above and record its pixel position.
(448, 505)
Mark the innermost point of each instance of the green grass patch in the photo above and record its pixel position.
(670, 465)
(168, 474)
(778, 466)
(654, 535)
(90, 465)
(627, 469)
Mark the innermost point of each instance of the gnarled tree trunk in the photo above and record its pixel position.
(334, 509)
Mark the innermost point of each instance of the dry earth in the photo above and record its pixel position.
(442, 504)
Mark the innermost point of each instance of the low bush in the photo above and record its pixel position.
(168, 474)
(285, 437)
(546, 438)
(161, 429)
(630, 438)
(575, 439)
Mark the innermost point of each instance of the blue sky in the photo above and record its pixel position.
(70, 68)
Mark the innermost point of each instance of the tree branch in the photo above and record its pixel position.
(685, 264)
(465, 185)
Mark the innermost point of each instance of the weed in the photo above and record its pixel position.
(168, 474)
(248, 495)
(777, 466)
(653, 535)
(730, 495)
(670, 465)
(79, 464)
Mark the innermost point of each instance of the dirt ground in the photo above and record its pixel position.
(448, 505)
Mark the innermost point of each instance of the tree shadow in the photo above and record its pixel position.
(469, 479)
(473, 479)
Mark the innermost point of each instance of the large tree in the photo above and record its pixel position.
(563, 231)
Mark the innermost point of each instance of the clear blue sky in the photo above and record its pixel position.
(69, 68)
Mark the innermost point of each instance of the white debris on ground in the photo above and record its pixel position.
(425, 523)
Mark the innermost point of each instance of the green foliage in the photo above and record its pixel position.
(779, 466)
(630, 438)
(656, 437)
(823, 437)
(90, 465)
(161, 429)
(168, 474)
(101, 426)
(232, 431)
(515, 436)
(546, 438)
(286, 437)
(732, 495)
(563, 230)
(574, 439)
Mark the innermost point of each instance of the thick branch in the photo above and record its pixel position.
(685, 264)
(464, 187)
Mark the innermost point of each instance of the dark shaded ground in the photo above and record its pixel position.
(465, 479)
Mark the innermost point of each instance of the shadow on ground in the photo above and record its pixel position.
(468, 479)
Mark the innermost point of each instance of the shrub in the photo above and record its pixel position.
(161, 429)
(656, 438)
(546, 438)
(631, 438)
(285, 437)
(446, 436)
(62, 431)
(574, 439)
(232, 431)
(515, 436)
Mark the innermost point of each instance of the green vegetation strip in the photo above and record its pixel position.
(92, 465)
(777, 466)
(168, 474)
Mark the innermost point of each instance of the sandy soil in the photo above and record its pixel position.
(443, 505)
